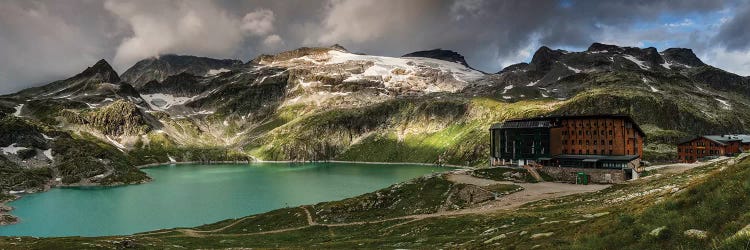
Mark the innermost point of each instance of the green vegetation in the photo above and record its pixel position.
(447, 131)
(161, 147)
(274, 220)
(422, 195)
(118, 118)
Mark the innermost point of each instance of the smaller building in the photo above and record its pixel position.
(701, 147)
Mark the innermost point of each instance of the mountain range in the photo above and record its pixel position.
(327, 103)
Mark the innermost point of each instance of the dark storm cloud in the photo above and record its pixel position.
(41, 41)
(735, 33)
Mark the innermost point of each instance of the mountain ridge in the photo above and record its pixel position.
(327, 103)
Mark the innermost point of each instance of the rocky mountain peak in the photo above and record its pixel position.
(683, 56)
(544, 58)
(103, 70)
(440, 54)
(603, 47)
(159, 68)
(339, 48)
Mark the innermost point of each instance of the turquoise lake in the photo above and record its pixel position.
(192, 195)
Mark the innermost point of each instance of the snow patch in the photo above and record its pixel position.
(18, 110)
(48, 154)
(647, 81)
(507, 97)
(724, 104)
(116, 144)
(205, 112)
(666, 65)
(12, 149)
(641, 64)
(573, 69)
(213, 72)
(509, 87)
(163, 102)
(47, 137)
(401, 69)
(307, 84)
(531, 84)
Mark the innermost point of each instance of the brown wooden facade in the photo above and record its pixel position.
(586, 141)
(712, 146)
(597, 135)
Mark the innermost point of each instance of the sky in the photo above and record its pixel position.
(43, 41)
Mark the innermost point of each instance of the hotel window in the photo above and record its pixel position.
(588, 132)
(587, 151)
(594, 151)
(580, 142)
(610, 152)
(580, 152)
(602, 142)
(587, 142)
(565, 142)
(580, 132)
(594, 142)
(610, 142)
(565, 151)
(610, 132)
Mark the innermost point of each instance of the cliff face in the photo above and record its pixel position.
(159, 68)
(116, 119)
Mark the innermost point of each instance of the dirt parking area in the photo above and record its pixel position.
(531, 191)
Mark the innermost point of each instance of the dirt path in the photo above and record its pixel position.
(310, 220)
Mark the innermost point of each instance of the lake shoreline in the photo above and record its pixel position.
(247, 175)
(6, 218)
(301, 162)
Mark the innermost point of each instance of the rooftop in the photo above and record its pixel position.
(544, 121)
(523, 124)
(721, 139)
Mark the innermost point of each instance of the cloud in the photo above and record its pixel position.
(273, 41)
(735, 61)
(190, 27)
(365, 20)
(684, 22)
(259, 22)
(42, 41)
(735, 32)
(45, 41)
(187, 27)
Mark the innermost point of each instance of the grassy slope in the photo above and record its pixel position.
(413, 130)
